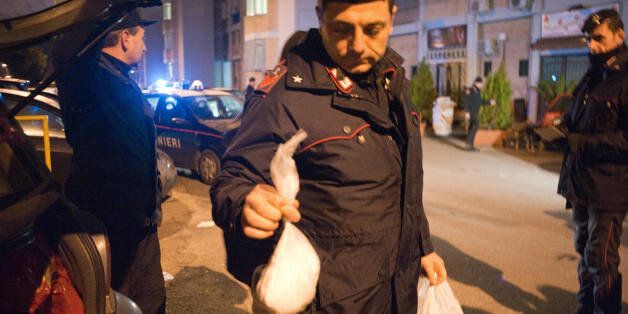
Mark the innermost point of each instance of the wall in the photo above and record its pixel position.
(517, 48)
(406, 46)
(435, 9)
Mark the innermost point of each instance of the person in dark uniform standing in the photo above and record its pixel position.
(248, 92)
(594, 174)
(113, 173)
(472, 103)
(361, 176)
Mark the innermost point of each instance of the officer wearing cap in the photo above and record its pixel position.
(594, 175)
(113, 173)
(361, 176)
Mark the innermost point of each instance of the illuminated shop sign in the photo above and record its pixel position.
(448, 37)
(568, 23)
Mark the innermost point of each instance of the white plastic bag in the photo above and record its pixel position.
(288, 282)
(438, 299)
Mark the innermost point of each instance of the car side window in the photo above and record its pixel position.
(170, 110)
(153, 101)
(200, 108)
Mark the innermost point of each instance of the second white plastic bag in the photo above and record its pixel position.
(288, 282)
(438, 299)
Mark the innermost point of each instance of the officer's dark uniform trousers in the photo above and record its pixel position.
(113, 174)
(360, 178)
(594, 180)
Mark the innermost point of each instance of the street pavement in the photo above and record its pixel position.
(494, 217)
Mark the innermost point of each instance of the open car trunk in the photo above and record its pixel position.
(30, 202)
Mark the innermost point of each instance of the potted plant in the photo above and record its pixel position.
(495, 119)
(423, 94)
(557, 94)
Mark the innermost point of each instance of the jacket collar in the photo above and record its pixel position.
(117, 64)
(617, 62)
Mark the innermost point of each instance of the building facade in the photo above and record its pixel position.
(459, 39)
(463, 39)
(180, 47)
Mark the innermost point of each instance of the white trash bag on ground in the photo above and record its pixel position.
(288, 282)
(438, 299)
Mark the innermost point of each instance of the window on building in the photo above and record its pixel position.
(488, 67)
(523, 67)
(256, 7)
(414, 68)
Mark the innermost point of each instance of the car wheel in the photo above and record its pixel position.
(208, 166)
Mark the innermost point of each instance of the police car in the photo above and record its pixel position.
(193, 126)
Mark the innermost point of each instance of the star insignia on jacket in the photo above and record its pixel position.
(297, 79)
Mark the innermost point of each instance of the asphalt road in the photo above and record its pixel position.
(494, 217)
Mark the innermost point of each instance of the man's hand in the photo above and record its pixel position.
(434, 267)
(492, 102)
(263, 209)
(467, 116)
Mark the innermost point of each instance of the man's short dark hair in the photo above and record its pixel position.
(478, 80)
(113, 37)
(609, 16)
(251, 79)
(323, 3)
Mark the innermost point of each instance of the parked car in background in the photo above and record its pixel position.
(194, 126)
(61, 152)
(14, 83)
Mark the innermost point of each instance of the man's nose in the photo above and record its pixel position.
(592, 44)
(358, 45)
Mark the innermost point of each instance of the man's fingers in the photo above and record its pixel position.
(441, 274)
(254, 233)
(254, 219)
(290, 212)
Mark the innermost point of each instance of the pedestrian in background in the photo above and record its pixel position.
(250, 89)
(594, 174)
(113, 175)
(361, 175)
(472, 103)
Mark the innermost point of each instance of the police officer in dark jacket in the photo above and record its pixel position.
(361, 176)
(113, 174)
(472, 103)
(594, 175)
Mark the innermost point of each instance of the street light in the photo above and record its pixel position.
(502, 41)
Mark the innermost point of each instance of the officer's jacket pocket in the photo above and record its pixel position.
(351, 270)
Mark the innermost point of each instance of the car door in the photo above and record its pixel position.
(175, 134)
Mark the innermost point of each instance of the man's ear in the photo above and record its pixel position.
(319, 15)
(124, 40)
(622, 35)
(393, 12)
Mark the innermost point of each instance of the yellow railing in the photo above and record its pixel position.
(44, 126)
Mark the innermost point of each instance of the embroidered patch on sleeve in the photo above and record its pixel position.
(272, 78)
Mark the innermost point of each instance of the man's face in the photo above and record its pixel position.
(356, 35)
(479, 85)
(602, 39)
(134, 45)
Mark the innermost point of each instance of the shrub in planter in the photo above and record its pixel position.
(423, 91)
(497, 87)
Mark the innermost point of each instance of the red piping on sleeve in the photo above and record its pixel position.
(187, 131)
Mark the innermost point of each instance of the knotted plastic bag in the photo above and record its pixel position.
(288, 282)
(438, 299)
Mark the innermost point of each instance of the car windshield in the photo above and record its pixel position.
(209, 107)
